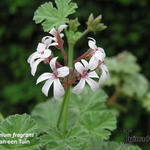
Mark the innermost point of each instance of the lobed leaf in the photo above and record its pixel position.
(51, 17)
(19, 124)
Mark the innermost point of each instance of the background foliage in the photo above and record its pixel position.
(128, 24)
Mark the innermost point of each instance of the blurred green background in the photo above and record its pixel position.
(128, 23)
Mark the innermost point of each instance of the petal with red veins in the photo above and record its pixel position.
(61, 27)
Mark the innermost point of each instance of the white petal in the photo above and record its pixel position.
(53, 63)
(93, 63)
(92, 44)
(41, 47)
(46, 86)
(53, 31)
(58, 89)
(102, 50)
(47, 40)
(102, 78)
(43, 77)
(79, 87)
(79, 67)
(61, 35)
(93, 74)
(99, 55)
(34, 66)
(93, 84)
(46, 53)
(53, 44)
(85, 63)
(61, 27)
(29, 58)
(63, 71)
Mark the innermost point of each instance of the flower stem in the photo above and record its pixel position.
(61, 110)
(67, 94)
(67, 98)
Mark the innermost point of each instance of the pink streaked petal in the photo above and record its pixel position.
(93, 74)
(46, 53)
(85, 63)
(61, 27)
(53, 63)
(93, 63)
(79, 67)
(79, 87)
(41, 47)
(63, 71)
(34, 66)
(46, 86)
(58, 89)
(93, 84)
(44, 76)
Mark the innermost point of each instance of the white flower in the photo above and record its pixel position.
(42, 52)
(85, 77)
(105, 74)
(98, 55)
(54, 32)
(54, 78)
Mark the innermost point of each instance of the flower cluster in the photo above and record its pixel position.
(86, 68)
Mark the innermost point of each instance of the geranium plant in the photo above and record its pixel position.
(76, 118)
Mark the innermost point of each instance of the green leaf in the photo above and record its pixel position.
(94, 24)
(88, 101)
(51, 17)
(73, 140)
(98, 124)
(46, 114)
(102, 145)
(120, 63)
(74, 24)
(135, 85)
(73, 35)
(19, 124)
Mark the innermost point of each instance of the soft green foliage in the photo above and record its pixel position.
(126, 76)
(101, 145)
(98, 124)
(51, 17)
(73, 35)
(88, 116)
(19, 124)
(73, 140)
(146, 102)
(94, 24)
(46, 114)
